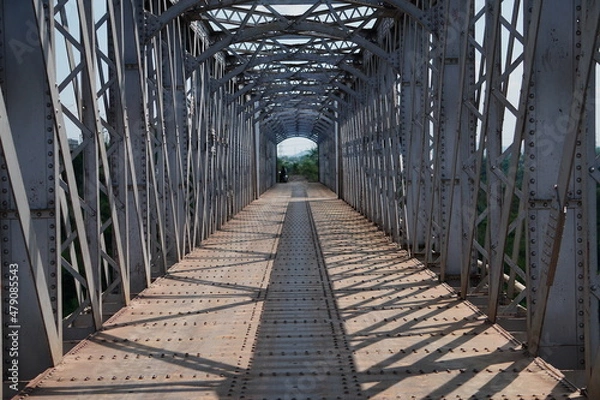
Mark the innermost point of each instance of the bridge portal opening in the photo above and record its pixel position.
(298, 157)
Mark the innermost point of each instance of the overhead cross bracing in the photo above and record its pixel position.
(294, 60)
(465, 129)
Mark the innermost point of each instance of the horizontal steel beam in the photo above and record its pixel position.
(199, 6)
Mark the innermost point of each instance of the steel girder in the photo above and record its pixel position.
(557, 250)
(248, 35)
(370, 143)
(252, 33)
(514, 235)
(463, 129)
(510, 228)
(494, 110)
(274, 61)
(119, 162)
(200, 7)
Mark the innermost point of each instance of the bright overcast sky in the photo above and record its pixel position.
(293, 146)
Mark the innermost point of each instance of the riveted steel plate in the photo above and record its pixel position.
(189, 335)
(300, 297)
(412, 337)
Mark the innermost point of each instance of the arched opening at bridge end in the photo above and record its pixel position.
(298, 158)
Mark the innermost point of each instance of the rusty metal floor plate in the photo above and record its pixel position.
(299, 297)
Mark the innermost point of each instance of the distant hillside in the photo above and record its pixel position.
(296, 156)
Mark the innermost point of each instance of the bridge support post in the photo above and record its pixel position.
(174, 133)
(556, 258)
(256, 159)
(592, 278)
(339, 158)
(29, 218)
(412, 117)
(134, 187)
(457, 142)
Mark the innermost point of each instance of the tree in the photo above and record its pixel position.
(305, 165)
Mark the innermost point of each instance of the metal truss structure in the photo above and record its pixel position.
(131, 130)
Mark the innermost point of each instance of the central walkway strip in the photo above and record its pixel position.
(299, 297)
(300, 351)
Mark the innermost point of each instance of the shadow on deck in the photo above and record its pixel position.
(299, 297)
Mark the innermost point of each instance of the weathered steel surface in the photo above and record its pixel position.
(412, 337)
(263, 311)
(190, 334)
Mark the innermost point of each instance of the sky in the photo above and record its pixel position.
(293, 146)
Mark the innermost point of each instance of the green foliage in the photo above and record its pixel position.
(483, 203)
(305, 165)
(69, 292)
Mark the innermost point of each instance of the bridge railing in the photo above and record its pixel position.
(118, 157)
(488, 168)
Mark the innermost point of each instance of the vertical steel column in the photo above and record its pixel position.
(339, 155)
(323, 159)
(369, 133)
(91, 148)
(397, 172)
(467, 125)
(201, 80)
(113, 271)
(345, 154)
(556, 267)
(590, 182)
(391, 148)
(212, 151)
(154, 110)
(233, 186)
(359, 161)
(24, 272)
(128, 117)
(377, 121)
(456, 144)
(496, 112)
(411, 111)
(347, 151)
(205, 140)
(28, 200)
(256, 151)
(358, 164)
(354, 160)
(28, 206)
(178, 43)
(173, 138)
(433, 155)
(363, 158)
(492, 130)
(169, 154)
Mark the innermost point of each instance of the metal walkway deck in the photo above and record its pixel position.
(299, 297)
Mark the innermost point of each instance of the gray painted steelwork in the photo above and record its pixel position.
(299, 296)
(132, 130)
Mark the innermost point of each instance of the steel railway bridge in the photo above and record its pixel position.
(138, 198)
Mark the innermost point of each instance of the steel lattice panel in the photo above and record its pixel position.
(412, 337)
